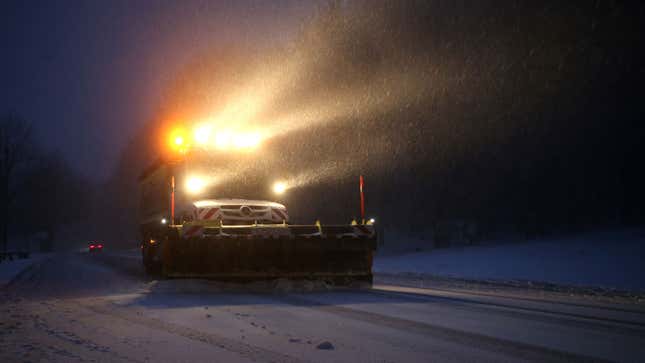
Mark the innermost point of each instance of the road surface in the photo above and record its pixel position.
(75, 307)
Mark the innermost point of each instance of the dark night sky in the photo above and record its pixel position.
(88, 74)
(516, 116)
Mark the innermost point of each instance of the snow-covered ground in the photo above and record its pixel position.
(10, 269)
(607, 259)
(75, 308)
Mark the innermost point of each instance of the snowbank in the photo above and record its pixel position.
(10, 269)
(608, 259)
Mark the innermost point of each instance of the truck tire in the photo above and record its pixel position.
(151, 262)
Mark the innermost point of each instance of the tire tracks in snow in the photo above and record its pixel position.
(475, 294)
(72, 339)
(251, 352)
(512, 349)
(39, 335)
(571, 295)
(584, 321)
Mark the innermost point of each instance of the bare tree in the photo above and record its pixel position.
(15, 137)
(60, 193)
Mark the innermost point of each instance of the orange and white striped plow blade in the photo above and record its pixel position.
(192, 231)
(363, 230)
(207, 214)
(279, 215)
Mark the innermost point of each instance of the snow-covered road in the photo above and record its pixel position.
(77, 308)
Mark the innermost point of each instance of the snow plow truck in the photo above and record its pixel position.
(241, 240)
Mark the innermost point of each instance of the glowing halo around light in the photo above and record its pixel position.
(195, 185)
(279, 187)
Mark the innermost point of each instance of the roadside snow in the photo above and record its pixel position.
(10, 269)
(608, 259)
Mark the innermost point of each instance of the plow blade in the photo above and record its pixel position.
(249, 254)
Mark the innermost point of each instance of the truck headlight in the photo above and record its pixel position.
(195, 185)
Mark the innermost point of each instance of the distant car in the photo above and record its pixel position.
(95, 247)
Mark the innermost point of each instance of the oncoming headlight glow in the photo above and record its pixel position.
(241, 141)
(207, 136)
(195, 185)
(202, 134)
(246, 141)
(223, 140)
(279, 187)
(177, 140)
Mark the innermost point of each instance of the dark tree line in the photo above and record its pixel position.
(14, 143)
(41, 194)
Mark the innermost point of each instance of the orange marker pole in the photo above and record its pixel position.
(172, 199)
(360, 185)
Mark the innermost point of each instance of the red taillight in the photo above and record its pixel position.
(100, 246)
(92, 247)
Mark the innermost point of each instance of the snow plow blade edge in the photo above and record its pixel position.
(338, 258)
